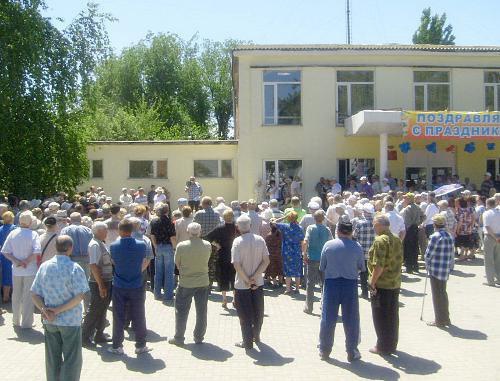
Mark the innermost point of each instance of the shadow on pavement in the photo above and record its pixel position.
(367, 370)
(461, 274)
(208, 352)
(412, 364)
(466, 334)
(267, 356)
(409, 293)
(153, 337)
(471, 262)
(407, 279)
(144, 363)
(30, 336)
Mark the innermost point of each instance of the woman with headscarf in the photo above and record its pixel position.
(222, 237)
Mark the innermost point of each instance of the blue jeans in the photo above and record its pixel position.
(339, 292)
(164, 271)
(134, 299)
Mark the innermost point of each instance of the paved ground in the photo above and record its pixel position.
(468, 350)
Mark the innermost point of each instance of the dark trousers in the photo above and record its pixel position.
(410, 248)
(250, 309)
(183, 299)
(313, 277)
(135, 298)
(363, 280)
(440, 301)
(95, 319)
(194, 205)
(63, 352)
(339, 292)
(385, 312)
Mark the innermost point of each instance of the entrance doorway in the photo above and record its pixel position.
(426, 169)
(277, 171)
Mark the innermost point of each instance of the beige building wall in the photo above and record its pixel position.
(180, 157)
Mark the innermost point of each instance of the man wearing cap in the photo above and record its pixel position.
(491, 230)
(486, 185)
(341, 261)
(365, 235)
(159, 197)
(384, 269)
(413, 217)
(308, 219)
(194, 191)
(439, 258)
(125, 198)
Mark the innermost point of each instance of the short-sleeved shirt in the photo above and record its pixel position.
(191, 258)
(48, 245)
(386, 252)
(249, 251)
(342, 258)
(128, 255)
(491, 219)
(163, 229)
(22, 243)
(397, 223)
(181, 225)
(113, 232)
(57, 282)
(209, 219)
(81, 236)
(99, 255)
(316, 236)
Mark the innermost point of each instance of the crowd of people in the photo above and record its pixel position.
(70, 258)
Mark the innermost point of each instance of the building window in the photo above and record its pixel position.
(354, 169)
(161, 169)
(281, 169)
(144, 169)
(213, 168)
(97, 169)
(282, 97)
(431, 90)
(492, 90)
(493, 167)
(355, 92)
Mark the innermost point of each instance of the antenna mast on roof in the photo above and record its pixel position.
(348, 18)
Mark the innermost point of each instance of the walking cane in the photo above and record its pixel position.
(423, 299)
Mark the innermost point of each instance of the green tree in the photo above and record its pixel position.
(43, 72)
(432, 30)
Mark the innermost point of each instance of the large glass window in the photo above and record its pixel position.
(492, 90)
(281, 170)
(282, 97)
(355, 92)
(213, 168)
(141, 169)
(97, 171)
(431, 90)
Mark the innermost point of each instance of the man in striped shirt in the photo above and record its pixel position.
(439, 258)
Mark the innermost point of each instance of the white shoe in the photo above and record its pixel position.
(144, 349)
(116, 351)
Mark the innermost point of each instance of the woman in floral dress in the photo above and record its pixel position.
(291, 250)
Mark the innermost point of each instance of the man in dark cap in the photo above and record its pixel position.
(341, 261)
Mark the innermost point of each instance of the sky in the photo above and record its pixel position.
(287, 21)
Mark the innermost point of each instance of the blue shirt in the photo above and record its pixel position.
(57, 281)
(127, 255)
(342, 258)
(316, 236)
(81, 236)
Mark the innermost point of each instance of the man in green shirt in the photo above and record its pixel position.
(384, 269)
(296, 207)
(191, 258)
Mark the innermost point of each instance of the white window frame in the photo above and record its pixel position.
(276, 167)
(219, 169)
(348, 84)
(425, 85)
(496, 86)
(275, 101)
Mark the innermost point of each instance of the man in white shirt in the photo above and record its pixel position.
(221, 206)
(431, 210)
(125, 198)
(159, 197)
(256, 226)
(250, 258)
(22, 247)
(397, 223)
(491, 226)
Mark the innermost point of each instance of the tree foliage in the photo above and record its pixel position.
(43, 72)
(432, 30)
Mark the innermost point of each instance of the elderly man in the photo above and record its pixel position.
(256, 225)
(384, 268)
(491, 230)
(308, 219)
(221, 206)
(365, 187)
(451, 221)
(487, 185)
(316, 237)
(57, 291)
(439, 258)
(164, 241)
(101, 276)
(250, 258)
(159, 197)
(22, 247)
(397, 222)
(191, 258)
(413, 217)
(194, 191)
(129, 259)
(336, 188)
(364, 234)
(125, 199)
(341, 261)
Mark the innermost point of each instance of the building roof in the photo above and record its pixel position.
(390, 47)
(164, 142)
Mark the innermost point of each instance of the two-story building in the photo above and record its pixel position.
(326, 110)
